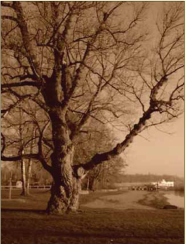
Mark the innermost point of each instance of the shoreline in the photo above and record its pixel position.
(124, 200)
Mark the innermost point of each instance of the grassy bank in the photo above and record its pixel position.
(154, 199)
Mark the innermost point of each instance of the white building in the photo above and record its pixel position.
(19, 184)
(164, 183)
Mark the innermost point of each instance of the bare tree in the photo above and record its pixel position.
(80, 61)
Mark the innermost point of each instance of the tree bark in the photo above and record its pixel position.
(60, 202)
(66, 182)
(66, 186)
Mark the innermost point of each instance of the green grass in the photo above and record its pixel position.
(24, 226)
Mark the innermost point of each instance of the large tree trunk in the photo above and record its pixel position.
(63, 200)
(66, 186)
(66, 182)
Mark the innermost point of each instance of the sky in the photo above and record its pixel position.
(159, 153)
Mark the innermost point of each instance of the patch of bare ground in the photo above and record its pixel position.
(121, 200)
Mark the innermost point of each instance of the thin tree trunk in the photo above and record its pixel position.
(92, 183)
(23, 173)
(23, 166)
(88, 184)
(29, 172)
(5, 177)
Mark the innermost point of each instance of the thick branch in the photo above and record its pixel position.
(5, 4)
(27, 156)
(9, 18)
(27, 42)
(119, 148)
(19, 157)
(21, 84)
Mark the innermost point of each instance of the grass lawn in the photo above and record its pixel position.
(27, 223)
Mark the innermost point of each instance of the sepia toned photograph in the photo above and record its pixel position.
(92, 122)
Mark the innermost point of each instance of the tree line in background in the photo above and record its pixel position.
(102, 176)
(130, 178)
(97, 179)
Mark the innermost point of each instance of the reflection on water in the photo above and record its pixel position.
(176, 198)
(179, 193)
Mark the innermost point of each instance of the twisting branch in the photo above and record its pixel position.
(28, 43)
(3, 143)
(19, 157)
(120, 147)
(9, 18)
(5, 4)
(21, 84)
(5, 112)
(41, 138)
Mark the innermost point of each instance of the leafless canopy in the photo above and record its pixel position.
(65, 64)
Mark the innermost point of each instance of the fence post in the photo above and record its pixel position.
(88, 184)
(10, 190)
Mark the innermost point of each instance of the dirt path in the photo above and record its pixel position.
(127, 200)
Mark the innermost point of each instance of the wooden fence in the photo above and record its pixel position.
(11, 188)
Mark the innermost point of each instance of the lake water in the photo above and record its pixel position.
(175, 198)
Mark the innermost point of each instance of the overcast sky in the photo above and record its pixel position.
(161, 154)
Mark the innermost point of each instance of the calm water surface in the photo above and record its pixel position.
(175, 198)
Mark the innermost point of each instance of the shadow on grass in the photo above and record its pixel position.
(39, 211)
